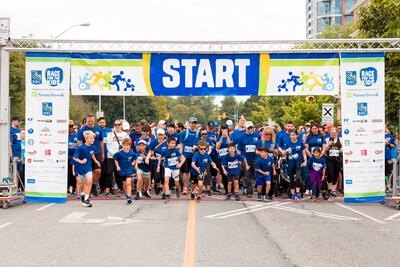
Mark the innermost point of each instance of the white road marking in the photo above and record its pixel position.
(232, 213)
(391, 218)
(319, 214)
(45, 207)
(76, 217)
(5, 225)
(360, 213)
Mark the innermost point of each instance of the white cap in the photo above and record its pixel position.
(229, 122)
(160, 131)
(142, 142)
(125, 125)
(248, 124)
(161, 122)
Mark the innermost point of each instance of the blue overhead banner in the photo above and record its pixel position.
(204, 74)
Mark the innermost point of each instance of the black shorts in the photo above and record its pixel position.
(185, 168)
(98, 158)
(131, 176)
(388, 167)
(232, 177)
(194, 179)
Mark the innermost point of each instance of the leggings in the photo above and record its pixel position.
(333, 168)
(294, 168)
(111, 169)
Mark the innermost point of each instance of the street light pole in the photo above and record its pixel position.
(76, 25)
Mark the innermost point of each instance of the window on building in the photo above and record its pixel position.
(323, 8)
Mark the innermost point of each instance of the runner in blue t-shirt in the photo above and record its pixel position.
(247, 147)
(223, 140)
(72, 145)
(264, 167)
(125, 159)
(83, 158)
(231, 166)
(143, 171)
(173, 160)
(199, 163)
(186, 143)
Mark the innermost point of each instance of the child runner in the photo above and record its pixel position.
(199, 163)
(125, 159)
(83, 157)
(173, 161)
(143, 171)
(231, 168)
(317, 167)
(264, 165)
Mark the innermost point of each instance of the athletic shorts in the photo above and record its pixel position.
(262, 180)
(82, 178)
(186, 165)
(130, 176)
(172, 173)
(232, 177)
(194, 179)
(145, 175)
(98, 158)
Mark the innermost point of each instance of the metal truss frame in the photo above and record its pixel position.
(215, 47)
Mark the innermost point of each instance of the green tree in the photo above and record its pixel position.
(17, 83)
(228, 106)
(181, 113)
(337, 31)
(160, 103)
(381, 19)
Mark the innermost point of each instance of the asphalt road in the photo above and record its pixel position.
(212, 233)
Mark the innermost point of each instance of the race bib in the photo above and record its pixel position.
(333, 153)
(188, 149)
(18, 136)
(173, 161)
(223, 151)
(157, 155)
(294, 156)
(233, 165)
(140, 160)
(250, 148)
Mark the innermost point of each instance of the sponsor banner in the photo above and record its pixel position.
(47, 111)
(204, 74)
(363, 109)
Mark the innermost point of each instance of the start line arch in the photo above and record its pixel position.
(309, 67)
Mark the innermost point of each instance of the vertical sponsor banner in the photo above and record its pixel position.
(363, 120)
(47, 112)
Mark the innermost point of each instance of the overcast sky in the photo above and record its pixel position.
(158, 19)
(215, 20)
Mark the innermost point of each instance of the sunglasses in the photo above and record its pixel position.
(117, 124)
(268, 134)
(202, 149)
(203, 134)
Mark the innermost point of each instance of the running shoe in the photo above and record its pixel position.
(128, 200)
(146, 194)
(237, 197)
(192, 196)
(185, 191)
(137, 196)
(164, 196)
(86, 203)
(293, 197)
(167, 199)
(208, 193)
(266, 198)
(82, 198)
(298, 196)
(259, 197)
(333, 194)
(228, 196)
(157, 191)
(199, 199)
(178, 193)
(94, 191)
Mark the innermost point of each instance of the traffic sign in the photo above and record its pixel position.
(327, 112)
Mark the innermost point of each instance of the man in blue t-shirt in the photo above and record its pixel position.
(104, 132)
(99, 148)
(390, 143)
(186, 143)
(15, 137)
(72, 145)
(247, 146)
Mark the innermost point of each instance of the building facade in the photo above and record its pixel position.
(321, 13)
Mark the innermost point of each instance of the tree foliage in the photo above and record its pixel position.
(17, 83)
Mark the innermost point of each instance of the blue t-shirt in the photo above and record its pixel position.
(200, 161)
(248, 146)
(223, 149)
(269, 144)
(15, 140)
(175, 136)
(171, 157)
(83, 152)
(72, 144)
(316, 164)
(158, 150)
(388, 150)
(316, 141)
(104, 133)
(264, 165)
(188, 143)
(125, 160)
(297, 148)
(232, 163)
(97, 130)
(284, 139)
(141, 159)
(209, 142)
(237, 134)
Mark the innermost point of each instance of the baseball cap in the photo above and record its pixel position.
(210, 124)
(71, 122)
(192, 119)
(161, 122)
(308, 124)
(16, 118)
(229, 122)
(142, 142)
(160, 131)
(125, 125)
(224, 126)
(248, 124)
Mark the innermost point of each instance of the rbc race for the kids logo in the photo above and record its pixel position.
(368, 76)
(54, 76)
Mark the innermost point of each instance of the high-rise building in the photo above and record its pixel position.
(321, 13)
